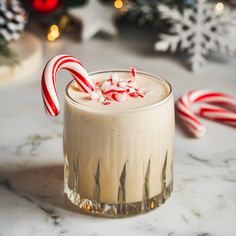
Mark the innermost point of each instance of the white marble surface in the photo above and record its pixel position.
(31, 163)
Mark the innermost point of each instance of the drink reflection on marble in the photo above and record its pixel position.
(118, 158)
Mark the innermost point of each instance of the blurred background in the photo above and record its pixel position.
(194, 31)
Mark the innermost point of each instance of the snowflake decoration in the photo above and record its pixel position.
(199, 30)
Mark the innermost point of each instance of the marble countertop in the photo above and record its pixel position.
(32, 202)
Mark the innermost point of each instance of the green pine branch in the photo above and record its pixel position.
(7, 56)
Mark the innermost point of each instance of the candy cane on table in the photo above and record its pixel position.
(190, 121)
(218, 114)
(49, 92)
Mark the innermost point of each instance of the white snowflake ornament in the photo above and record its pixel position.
(96, 17)
(199, 30)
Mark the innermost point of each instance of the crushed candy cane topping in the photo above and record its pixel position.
(116, 89)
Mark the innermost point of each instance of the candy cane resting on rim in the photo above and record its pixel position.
(190, 121)
(49, 92)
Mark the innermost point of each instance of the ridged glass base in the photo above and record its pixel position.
(119, 209)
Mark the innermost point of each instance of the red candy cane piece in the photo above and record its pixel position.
(49, 92)
(133, 72)
(106, 102)
(189, 119)
(119, 97)
(113, 89)
(219, 114)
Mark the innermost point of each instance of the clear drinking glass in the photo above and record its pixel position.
(118, 163)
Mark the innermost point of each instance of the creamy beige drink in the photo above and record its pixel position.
(118, 157)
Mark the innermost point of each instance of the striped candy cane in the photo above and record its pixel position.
(218, 114)
(49, 92)
(190, 121)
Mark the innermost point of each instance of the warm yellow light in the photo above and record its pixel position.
(53, 33)
(50, 38)
(219, 7)
(54, 27)
(63, 22)
(118, 4)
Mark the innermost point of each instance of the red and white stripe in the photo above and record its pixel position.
(219, 114)
(49, 92)
(119, 97)
(116, 89)
(190, 121)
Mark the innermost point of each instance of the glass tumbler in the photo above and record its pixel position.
(118, 163)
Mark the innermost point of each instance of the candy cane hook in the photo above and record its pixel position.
(49, 92)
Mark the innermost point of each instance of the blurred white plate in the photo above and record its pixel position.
(29, 52)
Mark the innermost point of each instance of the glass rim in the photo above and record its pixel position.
(85, 107)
